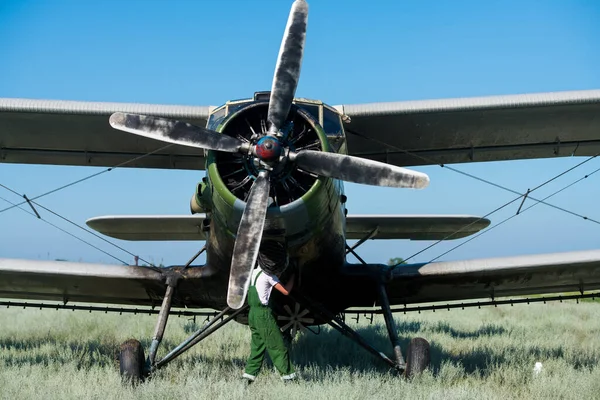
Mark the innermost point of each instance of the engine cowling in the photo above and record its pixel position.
(288, 182)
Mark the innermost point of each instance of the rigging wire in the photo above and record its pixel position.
(500, 208)
(429, 160)
(62, 230)
(88, 177)
(13, 205)
(487, 182)
(514, 215)
(78, 226)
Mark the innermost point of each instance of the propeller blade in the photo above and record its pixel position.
(359, 170)
(176, 132)
(287, 69)
(247, 243)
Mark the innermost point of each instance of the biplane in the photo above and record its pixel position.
(275, 167)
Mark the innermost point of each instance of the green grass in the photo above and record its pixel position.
(476, 354)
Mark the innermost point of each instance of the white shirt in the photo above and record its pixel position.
(264, 284)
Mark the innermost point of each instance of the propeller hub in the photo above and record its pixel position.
(268, 148)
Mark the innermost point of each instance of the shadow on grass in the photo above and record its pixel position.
(51, 351)
(330, 350)
(48, 350)
(485, 330)
(318, 355)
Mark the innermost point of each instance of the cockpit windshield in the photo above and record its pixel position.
(326, 116)
(332, 125)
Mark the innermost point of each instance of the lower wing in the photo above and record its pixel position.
(97, 283)
(478, 278)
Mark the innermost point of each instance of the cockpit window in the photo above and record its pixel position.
(332, 125)
(216, 117)
(331, 121)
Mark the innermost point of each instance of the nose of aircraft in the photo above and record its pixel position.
(268, 148)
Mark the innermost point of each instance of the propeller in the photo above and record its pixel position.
(175, 132)
(287, 69)
(358, 170)
(247, 243)
(269, 152)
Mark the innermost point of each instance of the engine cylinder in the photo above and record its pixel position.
(288, 183)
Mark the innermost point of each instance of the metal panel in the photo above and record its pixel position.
(189, 227)
(150, 227)
(64, 281)
(198, 286)
(414, 227)
(476, 129)
(496, 277)
(78, 133)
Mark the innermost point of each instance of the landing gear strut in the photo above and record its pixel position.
(135, 369)
(344, 329)
(132, 358)
(163, 316)
(418, 350)
(391, 326)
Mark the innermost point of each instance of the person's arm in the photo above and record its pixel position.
(288, 286)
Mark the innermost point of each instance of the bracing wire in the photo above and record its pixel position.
(87, 177)
(514, 215)
(64, 231)
(77, 225)
(537, 201)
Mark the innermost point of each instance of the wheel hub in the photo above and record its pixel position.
(297, 319)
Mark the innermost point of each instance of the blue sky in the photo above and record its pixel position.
(204, 53)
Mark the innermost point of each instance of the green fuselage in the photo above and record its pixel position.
(312, 225)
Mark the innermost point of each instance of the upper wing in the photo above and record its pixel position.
(414, 227)
(78, 133)
(476, 129)
(96, 283)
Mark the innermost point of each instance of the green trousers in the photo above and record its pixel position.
(266, 336)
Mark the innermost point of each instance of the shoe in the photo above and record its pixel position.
(248, 378)
(290, 378)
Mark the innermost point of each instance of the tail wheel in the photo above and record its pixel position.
(417, 357)
(131, 362)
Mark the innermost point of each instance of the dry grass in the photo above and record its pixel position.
(483, 354)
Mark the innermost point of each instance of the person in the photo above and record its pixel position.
(266, 336)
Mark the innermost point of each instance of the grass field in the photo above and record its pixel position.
(476, 354)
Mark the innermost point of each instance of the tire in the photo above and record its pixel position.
(132, 362)
(417, 357)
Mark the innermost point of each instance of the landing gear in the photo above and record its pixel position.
(135, 368)
(391, 326)
(418, 350)
(417, 357)
(132, 362)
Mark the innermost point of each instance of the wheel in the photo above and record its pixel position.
(417, 357)
(131, 362)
